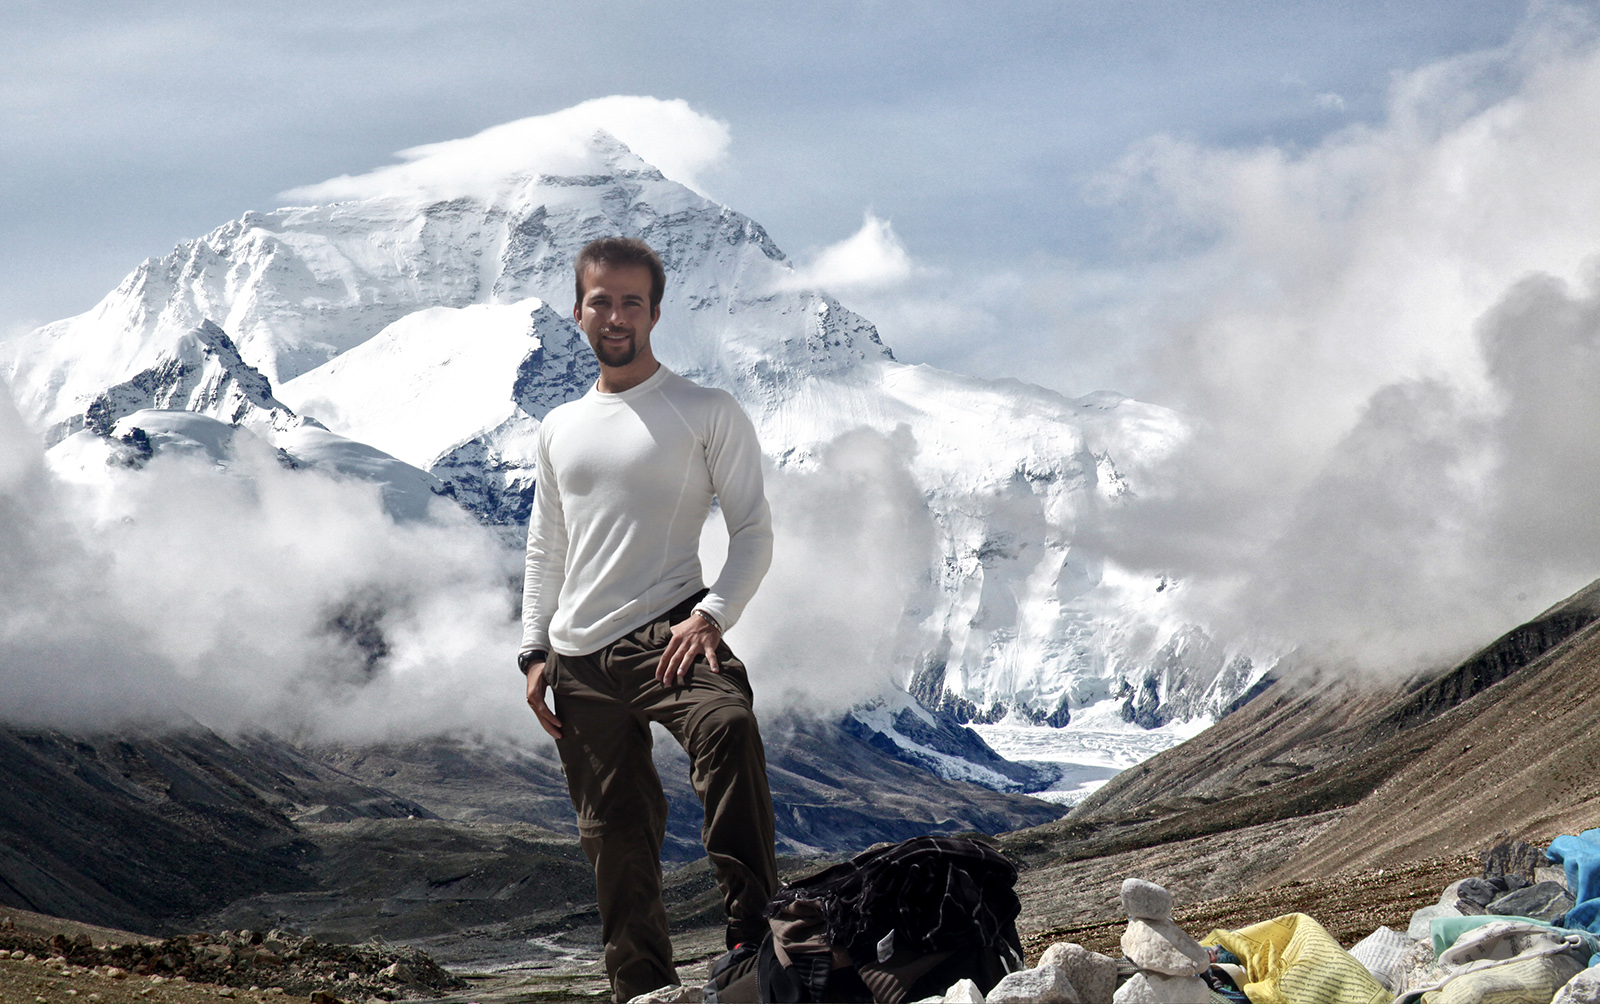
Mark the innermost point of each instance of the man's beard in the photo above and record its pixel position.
(616, 356)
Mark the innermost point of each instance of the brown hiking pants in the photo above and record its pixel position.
(606, 701)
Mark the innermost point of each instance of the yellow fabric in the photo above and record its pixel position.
(1525, 981)
(1294, 960)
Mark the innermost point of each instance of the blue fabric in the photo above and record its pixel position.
(1583, 915)
(1579, 857)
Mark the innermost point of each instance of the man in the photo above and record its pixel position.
(619, 627)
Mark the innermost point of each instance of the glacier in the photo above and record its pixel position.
(418, 340)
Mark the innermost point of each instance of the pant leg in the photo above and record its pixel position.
(712, 717)
(729, 773)
(622, 814)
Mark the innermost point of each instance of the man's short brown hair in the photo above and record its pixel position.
(611, 252)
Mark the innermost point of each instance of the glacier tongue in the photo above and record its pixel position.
(423, 327)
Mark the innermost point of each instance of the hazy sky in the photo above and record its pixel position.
(972, 129)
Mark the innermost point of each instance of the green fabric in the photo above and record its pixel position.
(1448, 930)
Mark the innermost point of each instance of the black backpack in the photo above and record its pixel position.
(896, 923)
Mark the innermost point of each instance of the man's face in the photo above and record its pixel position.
(615, 313)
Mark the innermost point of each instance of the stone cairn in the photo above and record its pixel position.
(1169, 961)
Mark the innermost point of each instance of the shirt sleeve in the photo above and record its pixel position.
(546, 564)
(733, 455)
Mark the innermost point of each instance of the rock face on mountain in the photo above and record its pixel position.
(1502, 744)
(434, 329)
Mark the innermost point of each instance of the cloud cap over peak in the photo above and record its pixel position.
(670, 135)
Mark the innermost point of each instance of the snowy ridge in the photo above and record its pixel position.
(202, 373)
(139, 437)
(424, 328)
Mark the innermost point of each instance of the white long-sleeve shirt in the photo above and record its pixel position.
(625, 483)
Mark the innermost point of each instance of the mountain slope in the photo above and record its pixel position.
(1518, 758)
(426, 326)
(1503, 742)
(129, 832)
(147, 830)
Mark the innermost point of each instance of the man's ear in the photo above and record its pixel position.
(655, 313)
(577, 311)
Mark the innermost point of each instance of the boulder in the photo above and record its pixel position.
(1512, 859)
(964, 992)
(1163, 947)
(1476, 892)
(1544, 901)
(1551, 873)
(1092, 975)
(1145, 900)
(1045, 984)
(1583, 988)
(399, 972)
(1419, 929)
(1153, 988)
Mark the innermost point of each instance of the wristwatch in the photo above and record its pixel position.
(526, 659)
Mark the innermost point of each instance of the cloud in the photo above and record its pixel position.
(246, 595)
(1382, 341)
(681, 142)
(871, 258)
(838, 618)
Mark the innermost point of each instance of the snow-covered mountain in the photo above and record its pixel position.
(433, 331)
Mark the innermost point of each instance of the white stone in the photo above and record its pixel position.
(1420, 928)
(1583, 988)
(686, 994)
(1153, 988)
(1145, 900)
(1045, 984)
(1163, 947)
(1550, 873)
(964, 992)
(1093, 976)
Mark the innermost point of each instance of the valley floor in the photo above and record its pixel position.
(1075, 901)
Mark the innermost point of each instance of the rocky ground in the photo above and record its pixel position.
(65, 963)
(1350, 905)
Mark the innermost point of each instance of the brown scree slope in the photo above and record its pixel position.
(1502, 743)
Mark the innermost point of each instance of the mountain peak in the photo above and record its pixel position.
(619, 159)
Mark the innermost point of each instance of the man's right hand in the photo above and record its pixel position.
(536, 689)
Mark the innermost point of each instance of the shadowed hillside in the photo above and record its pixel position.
(154, 832)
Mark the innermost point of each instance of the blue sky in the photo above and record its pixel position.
(972, 129)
